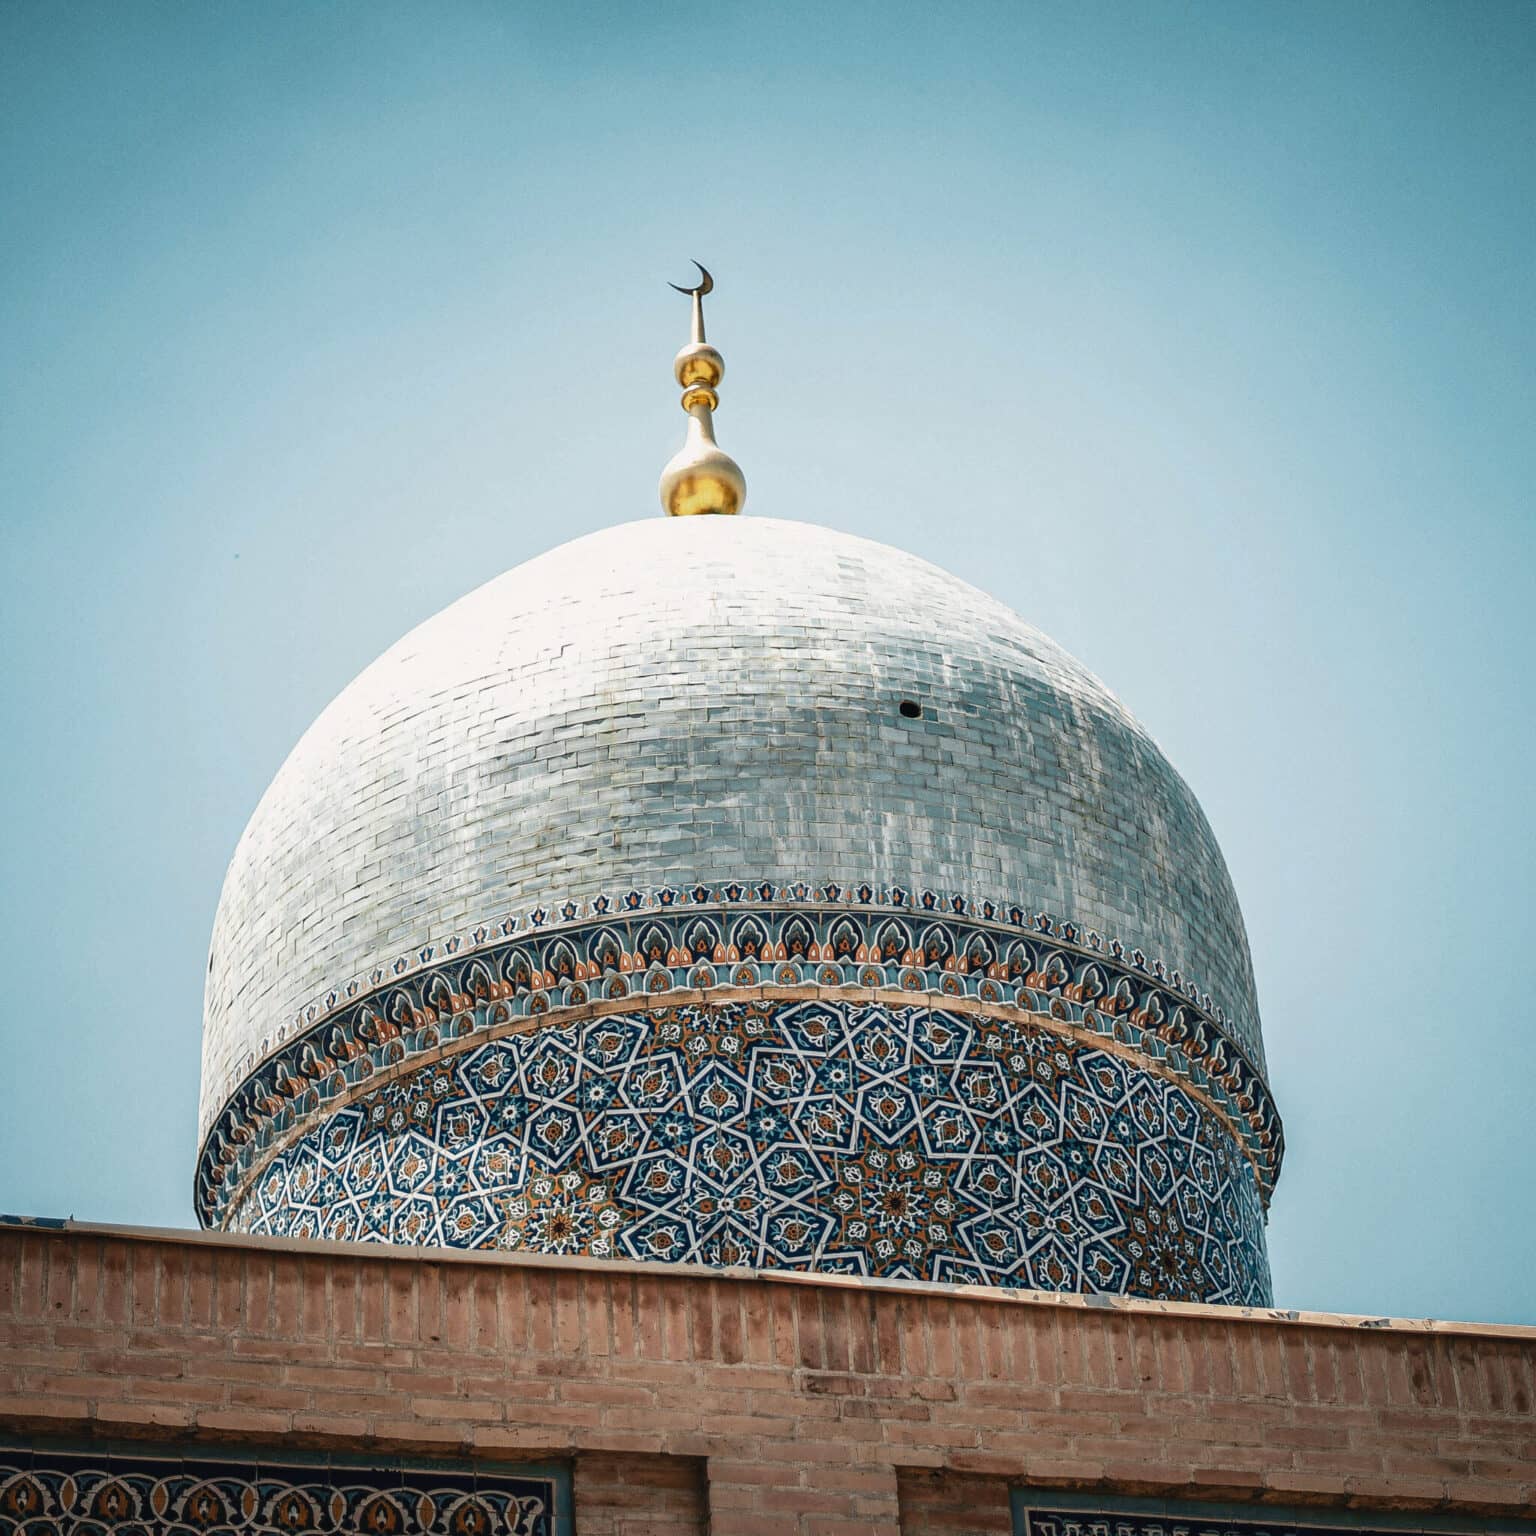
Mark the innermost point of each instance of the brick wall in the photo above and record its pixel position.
(752, 1405)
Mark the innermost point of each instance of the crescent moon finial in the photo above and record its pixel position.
(707, 285)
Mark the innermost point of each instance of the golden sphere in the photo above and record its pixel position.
(699, 363)
(702, 479)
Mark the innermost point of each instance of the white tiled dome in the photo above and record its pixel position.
(700, 700)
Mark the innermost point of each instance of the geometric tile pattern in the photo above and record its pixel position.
(1175, 1519)
(831, 1135)
(645, 944)
(85, 1493)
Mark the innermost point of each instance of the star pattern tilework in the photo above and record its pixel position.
(838, 1136)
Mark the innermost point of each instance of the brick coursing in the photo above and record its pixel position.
(753, 1404)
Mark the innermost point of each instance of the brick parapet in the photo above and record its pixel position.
(785, 1403)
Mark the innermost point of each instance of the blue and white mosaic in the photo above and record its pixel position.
(704, 940)
(846, 1137)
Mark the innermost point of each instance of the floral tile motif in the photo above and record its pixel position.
(829, 1135)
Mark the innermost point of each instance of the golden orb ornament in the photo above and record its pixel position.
(702, 478)
(698, 363)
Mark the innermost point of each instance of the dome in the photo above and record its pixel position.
(704, 717)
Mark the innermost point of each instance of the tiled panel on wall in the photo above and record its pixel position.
(103, 1491)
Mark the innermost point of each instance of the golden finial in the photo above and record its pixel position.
(700, 477)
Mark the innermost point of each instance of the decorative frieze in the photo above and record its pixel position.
(645, 945)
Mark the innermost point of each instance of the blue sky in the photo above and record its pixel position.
(1200, 333)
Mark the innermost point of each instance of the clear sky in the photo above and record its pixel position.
(1200, 333)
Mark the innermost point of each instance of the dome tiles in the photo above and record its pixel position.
(750, 811)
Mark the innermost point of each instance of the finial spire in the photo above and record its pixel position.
(701, 477)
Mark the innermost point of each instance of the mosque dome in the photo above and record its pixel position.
(739, 892)
(689, 766)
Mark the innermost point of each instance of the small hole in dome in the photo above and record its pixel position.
(911, 709)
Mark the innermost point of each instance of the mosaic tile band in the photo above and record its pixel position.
(1176, 1521)
(704, 938)
(894, 1141)
(44, 1493)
